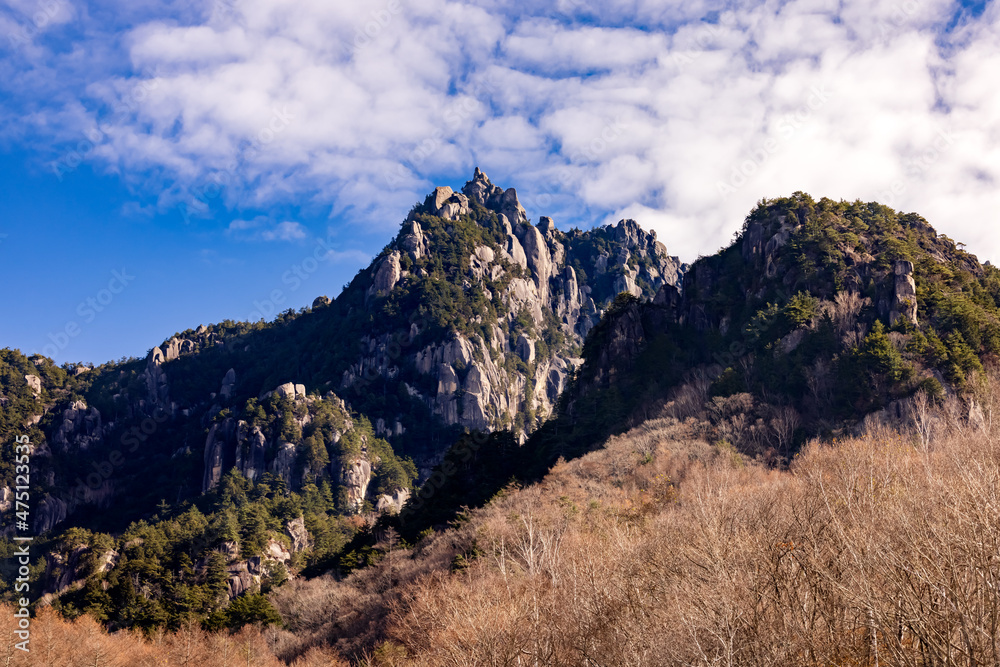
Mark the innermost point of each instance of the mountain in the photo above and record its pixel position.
(791, 460)
(836, 309)
(271, 436)
(479, 316)
(475, 353)
(820, 319)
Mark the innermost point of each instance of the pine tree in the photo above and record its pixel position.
(217, 578)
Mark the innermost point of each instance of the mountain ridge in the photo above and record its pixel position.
(476, 349)
(467, 320)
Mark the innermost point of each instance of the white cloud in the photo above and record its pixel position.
(285, 231)
(262, 229)
(643, 109)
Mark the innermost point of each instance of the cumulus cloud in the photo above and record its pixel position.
(681, 115)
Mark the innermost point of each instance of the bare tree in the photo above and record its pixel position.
(921, 415)
(785, 423)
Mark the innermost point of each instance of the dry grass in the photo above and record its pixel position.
(873, 551)
(662, 549)
(56, 642)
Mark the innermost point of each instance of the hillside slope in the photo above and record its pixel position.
(666, 546)
(834, 309)
(471, 319)
(819, 317)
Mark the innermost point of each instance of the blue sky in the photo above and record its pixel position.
(209, 152)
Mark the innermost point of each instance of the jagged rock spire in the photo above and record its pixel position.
(482, 190)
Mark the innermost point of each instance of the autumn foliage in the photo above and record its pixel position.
(874, 550)
(660, 549)
(56, 642)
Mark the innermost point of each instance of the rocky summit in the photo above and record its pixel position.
(530, 294)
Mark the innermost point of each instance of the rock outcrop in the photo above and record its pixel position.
(219, 436)
(392, 504)
(65, 570)
(80, 428)
(34, 383)
(413, 241)
(762, 242)
(387, 275)
(250, 451)
(355, 478)
(271, 442)
(247, 575)
(548, 287)
(228, 384)
(283, 464)
(49, 513)
(287, 390)
(296, 530)
(157, 383)
(904, 304)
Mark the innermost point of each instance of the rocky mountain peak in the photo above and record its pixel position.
(482, 190)
(521, 298)
(492, 197)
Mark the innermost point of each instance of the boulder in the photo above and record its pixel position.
(448, 204)
(288, 390)
(456, 206)
(791, 342)
(440, 196)
(276, 552)
(485, 254)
